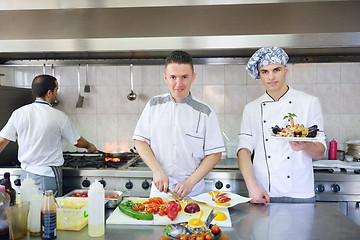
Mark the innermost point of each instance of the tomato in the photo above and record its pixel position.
(141, 207)
(161, 212)
(150, 210)
(215, 229)
(200, 238)
(184, 237)
(208, 236)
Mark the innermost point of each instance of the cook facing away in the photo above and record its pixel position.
(178, 136)
(279, 171)
(39, 130)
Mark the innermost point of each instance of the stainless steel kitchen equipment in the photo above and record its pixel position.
(339, 185)
(133, 176)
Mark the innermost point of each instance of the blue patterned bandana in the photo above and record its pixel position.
(265, 56)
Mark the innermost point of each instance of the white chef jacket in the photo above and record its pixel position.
(179, 134)
(40, 130)
(277, 168)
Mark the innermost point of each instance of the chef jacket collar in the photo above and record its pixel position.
(185, 100)
(281, 96)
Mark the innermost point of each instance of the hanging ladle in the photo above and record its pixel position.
(131, 96)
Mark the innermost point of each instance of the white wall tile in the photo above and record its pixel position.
(350, 72)
(235, 98)
(86, 125)
(197, 92)
(126, 127)
(106, 100)
(349, 98)
(213, 74)
(214, 96)
(329, 96)
(328, 73)
(308, 88)
(199, 75)
(66, 75)
(332, 127)
(304, 73)
(107, 76)
(349, 127)
(147, 75)
(124, 76)
(232, 125)
(235, 74)
(107, 127)
(253, 92)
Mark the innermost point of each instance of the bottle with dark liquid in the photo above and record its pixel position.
(48, 216)
(9, 190)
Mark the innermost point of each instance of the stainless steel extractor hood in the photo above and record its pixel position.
(65, 29)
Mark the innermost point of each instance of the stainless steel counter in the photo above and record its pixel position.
(250, 221)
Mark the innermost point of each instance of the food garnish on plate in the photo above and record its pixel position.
(295, 130)
(220, 199)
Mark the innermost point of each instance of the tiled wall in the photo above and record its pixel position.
(108, 119)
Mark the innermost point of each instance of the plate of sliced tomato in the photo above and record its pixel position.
(221, 199)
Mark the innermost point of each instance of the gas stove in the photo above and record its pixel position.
(99, 161)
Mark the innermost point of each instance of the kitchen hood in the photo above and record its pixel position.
(149, 29)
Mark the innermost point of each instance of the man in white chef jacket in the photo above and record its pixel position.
(275, 170)
(177, 135)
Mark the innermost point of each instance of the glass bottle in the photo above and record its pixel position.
(48, 216)
(9, 190)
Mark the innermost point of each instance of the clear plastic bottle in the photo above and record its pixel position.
(27, 189)
(48, 216)
(34, 220)
(96, 210)
(9, 190)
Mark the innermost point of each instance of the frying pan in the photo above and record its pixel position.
(114, 155)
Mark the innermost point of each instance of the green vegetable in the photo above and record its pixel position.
(126, 208)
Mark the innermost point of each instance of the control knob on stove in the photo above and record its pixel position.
(219, 185)
(320, 188)
(17, 182)
(129, 185)
(103, 182)
(145, 184)
(86, 183)
(335, 187)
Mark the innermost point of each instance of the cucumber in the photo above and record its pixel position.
(134, 214)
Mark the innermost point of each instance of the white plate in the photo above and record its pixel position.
(235, 199)
(320, 136)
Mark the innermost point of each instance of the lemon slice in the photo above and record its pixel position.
(222, 204)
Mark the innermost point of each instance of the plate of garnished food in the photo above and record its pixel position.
(297, 132)
(221, 199)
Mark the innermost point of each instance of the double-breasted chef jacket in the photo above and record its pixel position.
(278, 169)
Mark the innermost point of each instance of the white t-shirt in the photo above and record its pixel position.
(179, 134)
(278, 169)
(40, 131)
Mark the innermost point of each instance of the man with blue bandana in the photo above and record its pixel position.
(275, 170)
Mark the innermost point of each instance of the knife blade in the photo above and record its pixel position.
(173, 195)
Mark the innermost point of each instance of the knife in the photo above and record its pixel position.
(173, 195)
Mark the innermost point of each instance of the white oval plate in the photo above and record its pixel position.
(320, 136)
(235, 199)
